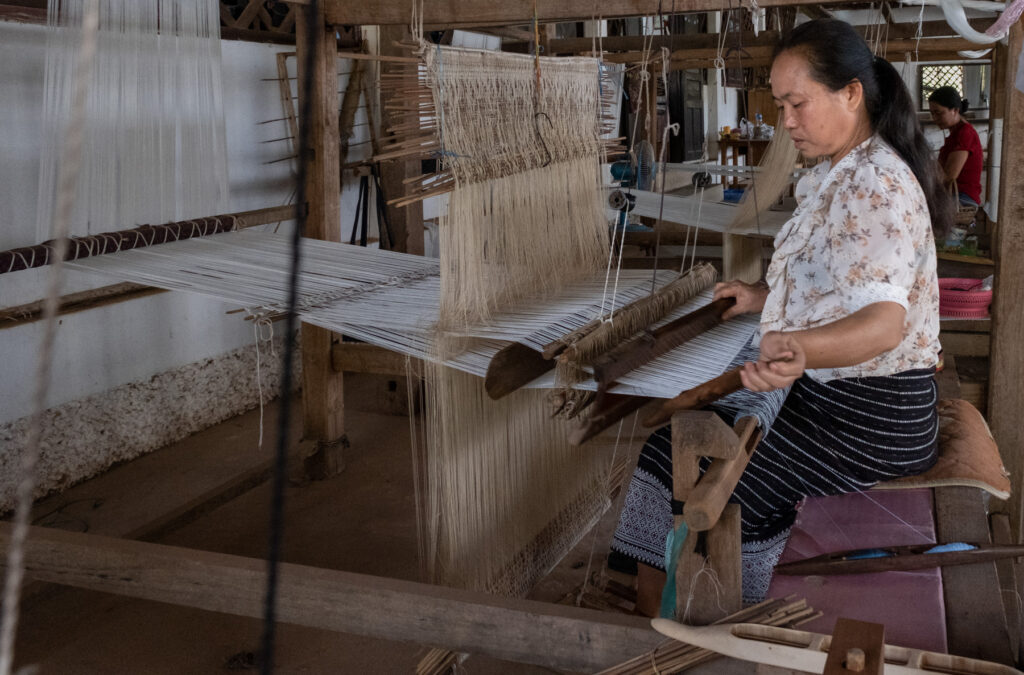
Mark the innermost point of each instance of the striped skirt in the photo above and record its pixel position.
(828, 438)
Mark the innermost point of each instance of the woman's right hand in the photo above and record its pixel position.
(750, 298)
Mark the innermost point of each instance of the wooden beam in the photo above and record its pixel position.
(1006, 396)
(322, 393)
(627, 356)
(761, 53)
(975, 624)
(108, 295)
(965, 344)
(76, 302)
(635, 43)
(552, 636)
(360, 357)
(508, 33)
(23, 12)
(459, 13)
(405, 222)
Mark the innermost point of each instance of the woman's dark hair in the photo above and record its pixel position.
(949, 97)
(837, 55)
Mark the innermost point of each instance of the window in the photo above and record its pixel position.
(970, 79)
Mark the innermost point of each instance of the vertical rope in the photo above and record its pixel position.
(312, 37)
(61, 221)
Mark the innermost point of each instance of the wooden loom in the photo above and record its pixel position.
(133, 568)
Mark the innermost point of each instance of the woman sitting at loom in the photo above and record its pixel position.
(960, 158)
(849, 313)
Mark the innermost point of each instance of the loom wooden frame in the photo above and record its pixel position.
(741, 255)
(163, 573)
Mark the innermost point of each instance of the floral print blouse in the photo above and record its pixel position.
(861, 234)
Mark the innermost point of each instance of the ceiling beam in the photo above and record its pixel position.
(635, 43)
(900, 36)
(908, 30)
(458, 13)
(760, 54)
(815, 12)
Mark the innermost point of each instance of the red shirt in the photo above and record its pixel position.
(964, 137)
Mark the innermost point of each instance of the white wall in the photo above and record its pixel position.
(125, 344)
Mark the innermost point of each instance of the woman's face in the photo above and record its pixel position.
(820, 121)
(943, 117)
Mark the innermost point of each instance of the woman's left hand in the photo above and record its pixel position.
(781, 363)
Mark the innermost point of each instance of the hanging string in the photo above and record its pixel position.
(645, 78)
(66, 188)
(312, 37)
(263, 328)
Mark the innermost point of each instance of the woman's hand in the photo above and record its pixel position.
(749, 297)
(781, 363)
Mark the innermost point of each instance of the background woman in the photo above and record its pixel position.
(960, 157)
(849, 313)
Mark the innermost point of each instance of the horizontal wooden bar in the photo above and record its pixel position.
(615, 363)
(28, 257)
(965, 344)
(631, 43)
(360, 357)
(965, 325)
(76, 302)
(108, 295)
(452, 13)
(552, 636)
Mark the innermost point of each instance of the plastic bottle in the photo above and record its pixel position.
(970, 245)
(955, 238)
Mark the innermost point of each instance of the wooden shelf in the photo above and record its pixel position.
(970, 259)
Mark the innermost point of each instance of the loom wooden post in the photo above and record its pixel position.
(322, 388)
(741, 258)
(699, 600)
(1005, 397)
(405, 222)
(350, 103)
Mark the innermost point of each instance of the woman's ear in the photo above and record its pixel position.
(853, 95)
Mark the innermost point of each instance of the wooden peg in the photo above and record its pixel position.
(856, 647)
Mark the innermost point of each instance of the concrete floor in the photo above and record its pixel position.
(361, 521)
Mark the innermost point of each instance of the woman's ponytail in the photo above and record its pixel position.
(894, 118)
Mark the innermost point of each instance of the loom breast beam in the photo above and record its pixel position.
(517, 365)
(610, 408)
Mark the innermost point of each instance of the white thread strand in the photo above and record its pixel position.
(30, 457)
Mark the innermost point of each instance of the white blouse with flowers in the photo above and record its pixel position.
(861, 234)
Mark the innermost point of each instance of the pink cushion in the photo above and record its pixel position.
(909, 604)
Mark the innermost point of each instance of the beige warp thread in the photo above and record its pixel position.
(504, 494)
(767, 184)
(526, 215)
